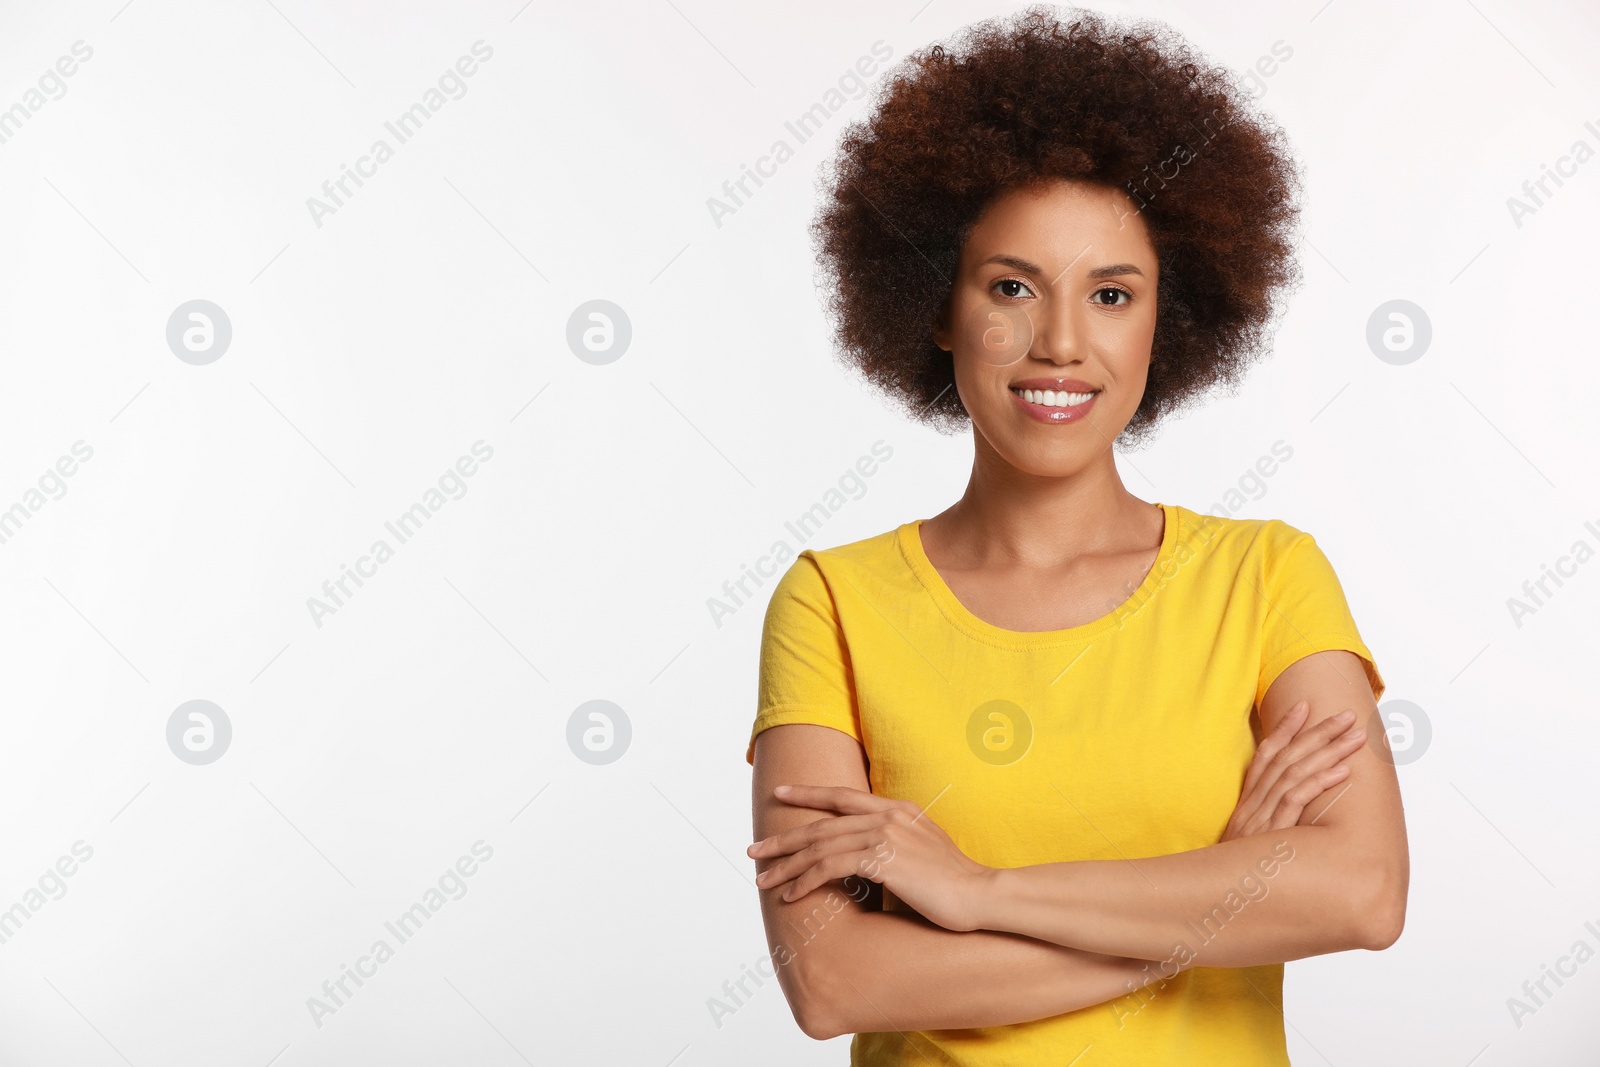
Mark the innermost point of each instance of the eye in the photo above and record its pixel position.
(1019, 283)
(1114, 289)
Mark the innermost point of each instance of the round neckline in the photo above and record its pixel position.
(910, 536)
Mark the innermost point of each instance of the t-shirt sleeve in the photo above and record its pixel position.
(805, 673)
(1306, 612)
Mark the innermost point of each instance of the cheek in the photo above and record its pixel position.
(1126, 355)
(970, 391)
(981, 386)
(993, 335)
(1131, 382)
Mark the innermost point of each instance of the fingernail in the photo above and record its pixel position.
(1346, 716)
(1358, 735)
(782, 789)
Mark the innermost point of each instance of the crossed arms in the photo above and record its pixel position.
(1009, 945)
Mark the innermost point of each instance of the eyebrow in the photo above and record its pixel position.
(1023, 265)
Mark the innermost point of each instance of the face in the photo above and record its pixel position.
(1050, 322)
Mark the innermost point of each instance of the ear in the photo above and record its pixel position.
(941, 329)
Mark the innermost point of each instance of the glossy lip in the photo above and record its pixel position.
(1044, 413)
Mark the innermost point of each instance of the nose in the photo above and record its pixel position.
(1057, 333)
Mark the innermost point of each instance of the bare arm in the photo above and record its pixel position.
(847, 969)
(1338, 879)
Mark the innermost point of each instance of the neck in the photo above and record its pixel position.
(1008, 516)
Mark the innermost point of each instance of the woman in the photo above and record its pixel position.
(1090, 768)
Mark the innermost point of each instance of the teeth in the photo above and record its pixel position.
(1052, 399)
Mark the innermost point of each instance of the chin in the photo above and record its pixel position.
(1044, 459)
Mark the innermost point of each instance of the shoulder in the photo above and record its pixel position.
(865, 551)
(818, 568)
(1264, 540)
(877, 552)
(833, 572)
(1265, 553)
(1278, 560)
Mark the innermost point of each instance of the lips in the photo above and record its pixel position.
(1054, 400)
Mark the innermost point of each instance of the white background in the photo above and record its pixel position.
(430, 312)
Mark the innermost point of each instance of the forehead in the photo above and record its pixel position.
(1058, 223)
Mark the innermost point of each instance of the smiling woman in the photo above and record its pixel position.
(1095, 759)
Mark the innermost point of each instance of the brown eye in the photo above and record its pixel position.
(1115, 291)
(1012, 282)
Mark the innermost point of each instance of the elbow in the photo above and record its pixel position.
(815, 1024)
(814, 1016)
(809, 1002)
(1383, 910)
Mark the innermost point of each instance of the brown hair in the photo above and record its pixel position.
(1025, 98)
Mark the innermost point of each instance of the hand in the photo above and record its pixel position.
(892, 842)
(1291, 769)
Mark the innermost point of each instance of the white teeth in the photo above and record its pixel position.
(1051, 398)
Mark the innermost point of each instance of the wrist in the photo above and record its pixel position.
(989, 889)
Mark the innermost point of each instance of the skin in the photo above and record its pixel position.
(1047, 537)
(1046, 534)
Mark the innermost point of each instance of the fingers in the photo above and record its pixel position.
(1303, 744)
(821, 862)
(1293, 803)
(1290, 769)
(831, 869)
(1316, 760)
(1316, 737)
(1274, 743)
(1281, 803)
(799, 837)
(838, 798)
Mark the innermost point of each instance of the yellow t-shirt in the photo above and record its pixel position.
(1124, 737)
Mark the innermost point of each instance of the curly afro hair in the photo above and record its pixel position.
(1023, 99)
